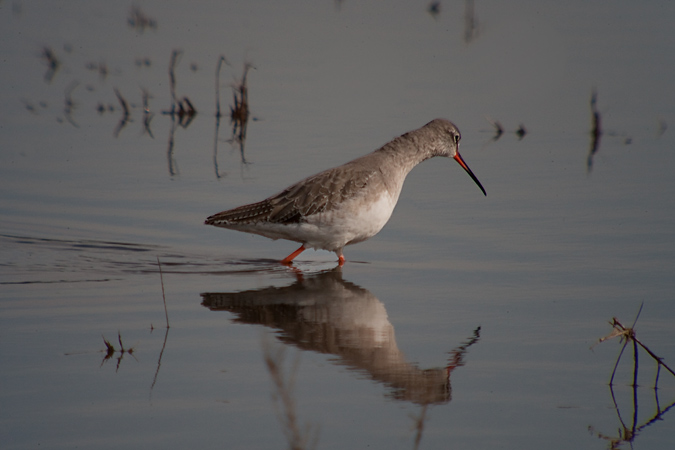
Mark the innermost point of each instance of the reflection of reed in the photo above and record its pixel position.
(239, 112)
(159, 360)
(470, 22)
(326, 314)
(596, 130)
(180, 109)
(221, 60)
(171, 161)
(434, 9)
(125, 113)
(520, 132)
(147, 114)
(52, 62)
(499, 130)
(69, 103)
(183, 108)
(111, 351)
(166, 335)
(140, 21)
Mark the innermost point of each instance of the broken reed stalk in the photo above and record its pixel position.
(161, 278)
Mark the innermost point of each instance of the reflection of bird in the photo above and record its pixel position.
(324, 313)
(347, 204)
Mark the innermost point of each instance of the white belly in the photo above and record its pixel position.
(353, 222)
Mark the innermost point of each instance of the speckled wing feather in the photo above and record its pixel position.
(313, 195)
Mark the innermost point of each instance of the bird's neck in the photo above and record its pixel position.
(407, 151)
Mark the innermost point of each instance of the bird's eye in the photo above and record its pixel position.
(456, 138)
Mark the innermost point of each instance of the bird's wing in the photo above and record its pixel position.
(316, 194)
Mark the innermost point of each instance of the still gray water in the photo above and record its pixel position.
(467, 322)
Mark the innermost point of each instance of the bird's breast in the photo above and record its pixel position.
(353, 221)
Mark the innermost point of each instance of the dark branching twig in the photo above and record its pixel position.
(626, 335)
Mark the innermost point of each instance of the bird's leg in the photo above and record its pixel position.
(341, 258)
(289, 258)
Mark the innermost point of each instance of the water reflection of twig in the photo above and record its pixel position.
(175, 55)
(125, 113)
(499, 130)
(69, 103)
(101, 68)
(52, 61)
(596, 130)
(239, 112)
(140, 21)
(147, 114)
(166, 334)
(521, 132)
(173, 168)
(221, 60)
(628, 434)
(111, 351)
(434, 9)
(470, 22)
(159, 360)
(182, 108)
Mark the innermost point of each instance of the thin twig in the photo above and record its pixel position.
(161, 278)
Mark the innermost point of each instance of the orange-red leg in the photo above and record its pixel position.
(341, 260)
(291, 257)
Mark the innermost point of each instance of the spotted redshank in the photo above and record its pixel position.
(349, 203)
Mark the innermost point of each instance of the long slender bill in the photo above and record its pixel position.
(461, 162)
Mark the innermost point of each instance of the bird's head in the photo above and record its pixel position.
(447, 144)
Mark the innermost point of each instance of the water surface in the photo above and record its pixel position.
(465, 323)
